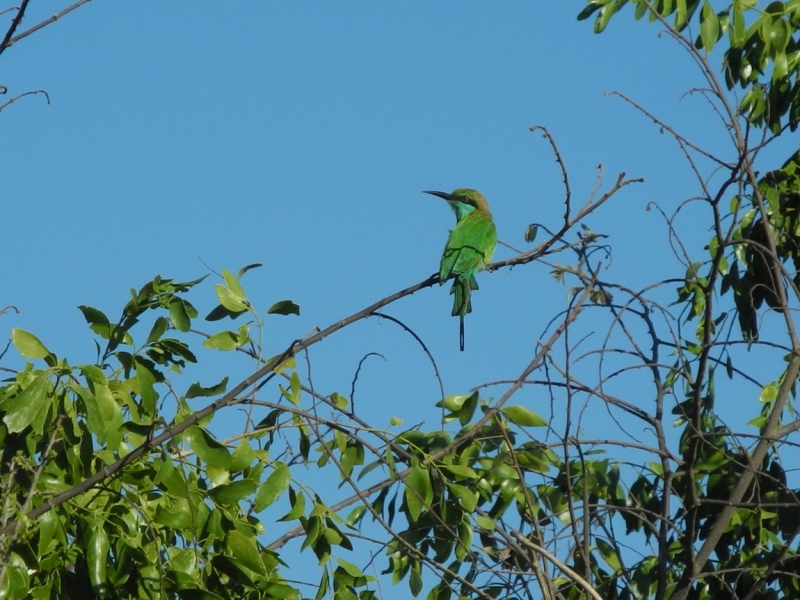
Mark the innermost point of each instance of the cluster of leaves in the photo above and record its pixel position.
(87, 512)
(110, 494)
(735, 505)
(765, 255)
(113, 484)
(762, 56)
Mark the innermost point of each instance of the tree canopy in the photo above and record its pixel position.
(116, 484)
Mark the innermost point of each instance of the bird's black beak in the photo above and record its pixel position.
(452, 198)
(446, 196)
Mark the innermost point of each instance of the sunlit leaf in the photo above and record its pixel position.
(523, 417)
(25, 406)
(28, 344)
(274, 487)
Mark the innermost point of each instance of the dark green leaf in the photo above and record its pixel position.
(419, 492)
(159, 327)
(207, 448)
(284, 307)
(245, 549)
(298, 503)
(588, 11)
(246, 268)
(196, 390)
(179, 315)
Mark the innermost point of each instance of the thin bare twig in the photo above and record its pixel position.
(31, 93)
(46, 22)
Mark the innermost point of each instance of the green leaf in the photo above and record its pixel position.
(606, 12)
(465, 533)
(230, 300)
(274, 487)
(109, 412)
(224, 340)
(22, 409)
(453, 403)
(460, 471)
(298, 503)
(531, 232)
(94, 316)
(305, 443)
(284, 307)
(781, 68)
(232, 282)
(243, 457)
(485, 523)
(196, 390)
(182, 559)
(98, 322)
(681, 16)
(609, 554)
(415, 582)
(207, 448)
(97, 560)
(28, 344)
(640, 11)
(177, 514)
(709, 26)
(355, 515)
(768, 394)
(523, 417)
(737, 31)
(159, 327)
(48, 524)
(588, 11)
(419, 492)
(246, 268)
(467, 497)
(245, 550)
(349, 568)
(179, 315)
(460, 405)
(231, 493)
(339, 401)
(220, 312)
(780, 34)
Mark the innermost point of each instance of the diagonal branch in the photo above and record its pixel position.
(44, 23)
(6, 43)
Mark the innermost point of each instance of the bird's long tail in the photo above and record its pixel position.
(462, 301)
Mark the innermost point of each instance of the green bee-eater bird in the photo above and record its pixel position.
(469, 248)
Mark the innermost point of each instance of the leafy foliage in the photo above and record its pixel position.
(115, 482)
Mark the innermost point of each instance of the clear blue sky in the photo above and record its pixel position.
(300, 135)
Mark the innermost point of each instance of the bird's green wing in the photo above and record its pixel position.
(469, 248)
